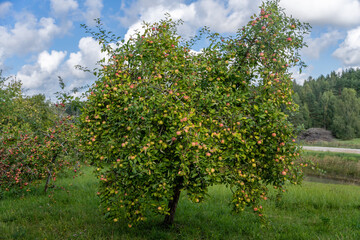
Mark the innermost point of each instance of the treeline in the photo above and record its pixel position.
(331, 102)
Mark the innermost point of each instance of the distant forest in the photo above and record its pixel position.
(331, 102)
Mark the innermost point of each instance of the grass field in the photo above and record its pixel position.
(353, 143)
(310, 211)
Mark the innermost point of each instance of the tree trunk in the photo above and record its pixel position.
(49, 172)
(47, 180)
(169, 219)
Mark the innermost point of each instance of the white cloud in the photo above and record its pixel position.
(2, 58)
(89, 54)
(50, 62)
(42, 76)
(132, 30)
(4, 8)
(220, 16)
(300, 78)
(349, 50)
(41, 73)
(155, 12)
(93, 11)
(32, 34)
(323, 12)
(224, 16)
(27, 36)
(317, 45)
(62, 7)
(343, 69)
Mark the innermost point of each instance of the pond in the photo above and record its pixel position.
(332, 180)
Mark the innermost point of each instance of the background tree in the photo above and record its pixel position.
(346, 123)
(36, 138)
(328, 101)
(324, 98)
(167, 120)
(300, 119)
(10, 90)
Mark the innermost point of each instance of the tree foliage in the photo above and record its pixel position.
(169, 120)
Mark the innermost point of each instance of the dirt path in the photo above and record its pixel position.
(332, 149)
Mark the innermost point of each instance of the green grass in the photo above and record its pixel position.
(310, 211)
(322, 154)
(353, 143)
(340, 166)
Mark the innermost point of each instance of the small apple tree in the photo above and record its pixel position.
(36, 139)
(168, 120)
(27, 157)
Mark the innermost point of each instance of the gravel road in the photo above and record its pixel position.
(332, 149)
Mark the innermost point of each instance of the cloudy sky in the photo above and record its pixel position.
(42, 39)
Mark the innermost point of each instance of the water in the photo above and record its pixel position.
(332, 180)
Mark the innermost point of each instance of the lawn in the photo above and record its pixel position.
(310, 211)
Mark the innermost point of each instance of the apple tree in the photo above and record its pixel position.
(161, 119)
(36, 139)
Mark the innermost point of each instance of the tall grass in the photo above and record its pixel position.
(310, 211)
(353, 143)
(340, 166)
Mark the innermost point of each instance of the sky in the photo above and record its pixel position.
(42, 39)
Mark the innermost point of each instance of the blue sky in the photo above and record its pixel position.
(42, 39)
